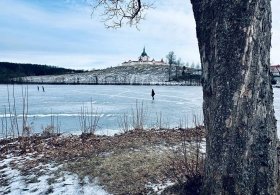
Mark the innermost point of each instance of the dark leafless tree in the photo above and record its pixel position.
(171, 58)
(115, 13)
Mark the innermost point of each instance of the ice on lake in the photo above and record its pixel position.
(64, 102)
(176, 104)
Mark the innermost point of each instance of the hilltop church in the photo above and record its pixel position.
(144, 59)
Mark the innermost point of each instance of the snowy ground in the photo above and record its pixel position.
(129, 163)
(48, 179)
(41, 179)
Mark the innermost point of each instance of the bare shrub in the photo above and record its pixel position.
(4, 122)
(123, 122)
(55, 123)
(159, 120)
(26, 129)
(136, 119)
(58, 125)
(187, 160)
(89, 119)
(53, 128)
(139, 116)
(2, 127)
(48, 131)
(183, 122)
(10, 114)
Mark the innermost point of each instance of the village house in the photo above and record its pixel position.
(275, 70)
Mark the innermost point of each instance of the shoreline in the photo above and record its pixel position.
(137, 84)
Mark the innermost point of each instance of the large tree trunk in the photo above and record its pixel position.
(234, 40)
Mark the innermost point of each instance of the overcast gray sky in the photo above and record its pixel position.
(62, 33)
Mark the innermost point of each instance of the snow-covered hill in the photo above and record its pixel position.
(139, 74)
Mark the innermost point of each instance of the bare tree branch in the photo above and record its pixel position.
(115, 13)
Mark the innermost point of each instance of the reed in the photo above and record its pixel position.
(123, 122)
(139, 116)
(26, 129)
(10, 119)
(89, 119)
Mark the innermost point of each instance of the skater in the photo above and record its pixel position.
(38, 88)
(43, 88)
(153, 94)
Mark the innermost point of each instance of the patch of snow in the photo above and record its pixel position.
(15, 180)
(72, 185)
(51, 182)
(159, 188)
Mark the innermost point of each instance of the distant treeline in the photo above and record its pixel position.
(13, 70)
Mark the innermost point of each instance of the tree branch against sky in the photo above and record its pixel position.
(115, 13)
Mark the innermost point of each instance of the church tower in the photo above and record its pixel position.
(144, 57)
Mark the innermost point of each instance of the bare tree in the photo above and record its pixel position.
(234, 39)
(115, 13)
(178, 64)
(171, 58)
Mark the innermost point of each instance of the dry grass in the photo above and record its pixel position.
(126, 172)
(124, 164)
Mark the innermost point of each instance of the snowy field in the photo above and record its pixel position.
(64, 102)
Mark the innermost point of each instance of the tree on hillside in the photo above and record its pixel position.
(234, 39)
(171, 58)
(192, 65)
(177, 65)
(184, 71)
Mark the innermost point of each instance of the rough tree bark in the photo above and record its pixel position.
(234, 40)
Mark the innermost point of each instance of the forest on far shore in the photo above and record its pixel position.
(13, 70)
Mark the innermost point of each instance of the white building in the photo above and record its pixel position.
(275, 70)
(144, 59)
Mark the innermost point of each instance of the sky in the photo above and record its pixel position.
(64, 33)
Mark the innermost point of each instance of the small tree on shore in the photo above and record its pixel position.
(171, 58)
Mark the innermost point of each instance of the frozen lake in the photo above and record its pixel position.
(175, 103)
